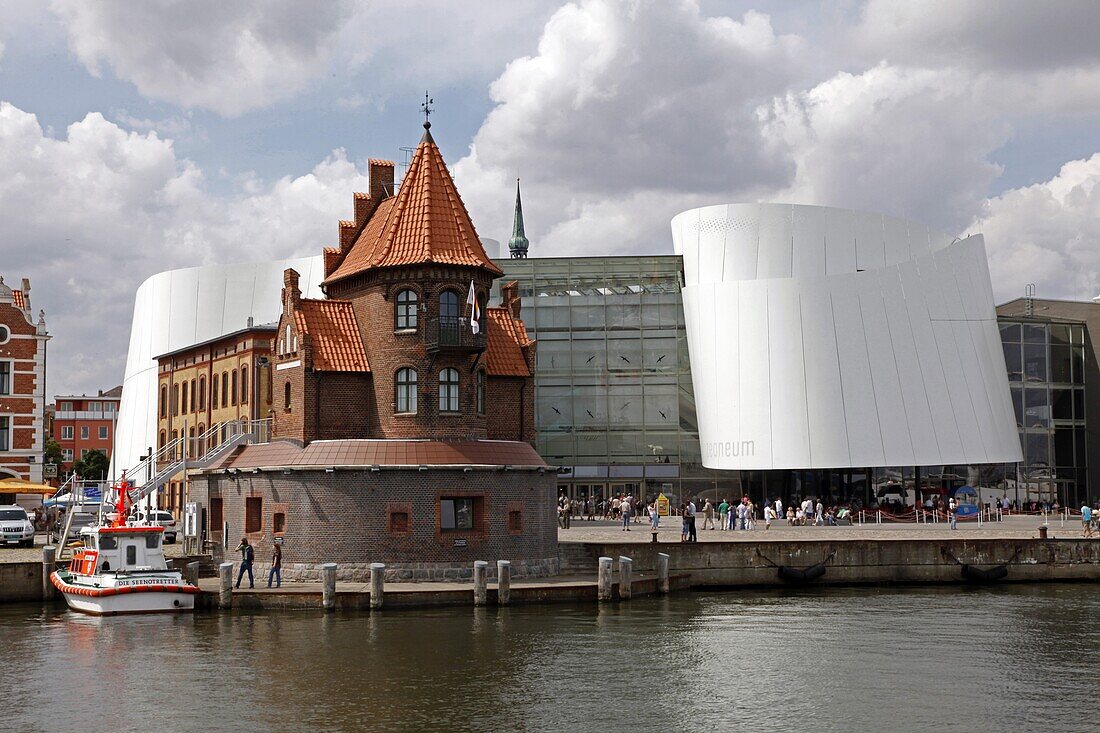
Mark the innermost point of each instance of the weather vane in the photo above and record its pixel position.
(426, 108)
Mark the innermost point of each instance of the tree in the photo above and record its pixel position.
(93, 466)
(52, 454)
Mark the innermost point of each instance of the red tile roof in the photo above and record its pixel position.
(425, 223)
(383, 453)
(20, 300)
(507, 338)
(334, 335)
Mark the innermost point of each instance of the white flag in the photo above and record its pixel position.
(475, 311)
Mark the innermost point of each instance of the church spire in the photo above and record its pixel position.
(518, 244)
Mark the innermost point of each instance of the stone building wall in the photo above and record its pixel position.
(357, 516)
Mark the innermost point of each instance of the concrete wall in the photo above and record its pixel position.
(855, 561)
(20, 581)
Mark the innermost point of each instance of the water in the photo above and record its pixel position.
(1010, 658)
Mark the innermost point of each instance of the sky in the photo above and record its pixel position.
(141, 137)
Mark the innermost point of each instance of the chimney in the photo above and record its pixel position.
(251, 321)
(509, 298)
(27, 289)
(381, 179)
(291, 294)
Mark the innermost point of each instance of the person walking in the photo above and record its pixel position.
(1086, 520)
(626, 510)
(693, 534)
(778, 508)
(248, 555)
(819, 513)
(276, 571)
(769, 515)
(654, 517)
(708, 514)
(953, 513)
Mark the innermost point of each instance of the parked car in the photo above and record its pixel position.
(160, 518)
(16, 527)
(83, 516)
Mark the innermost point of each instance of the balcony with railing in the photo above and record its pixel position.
(453, 334)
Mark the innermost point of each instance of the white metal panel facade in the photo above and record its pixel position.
(827, 338)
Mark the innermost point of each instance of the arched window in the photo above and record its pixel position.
(160, 440)
(193, 396)
(286, 396)
(202, 441)
(225, 389)
(184, 401)
(175, 399)
(448, 390)
(214, 392)
(448, 318)
(481, 391)
(233, 393)
(406, 309)
(405, 390)
(244, 385)
(202, 393)
(163, 401)
(286, 340)
(448, 304)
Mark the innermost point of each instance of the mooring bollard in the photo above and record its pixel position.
(49, 558)
(625, 563)
(377, 584)
(192, 573)
(603, 585)
(481, 582)
(225, 585)
(662, 573)
(504, 582)
(328, 594)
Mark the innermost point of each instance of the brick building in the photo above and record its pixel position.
(83, 423)
(22, 384)
(211, 384)
(404, 407)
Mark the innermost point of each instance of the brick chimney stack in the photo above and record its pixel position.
(509, 298)
(291, 294)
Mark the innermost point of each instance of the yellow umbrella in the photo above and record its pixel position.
(19, 486)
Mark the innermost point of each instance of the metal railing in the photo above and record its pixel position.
(452, 333)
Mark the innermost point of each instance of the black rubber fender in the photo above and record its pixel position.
(801, 575)
(984, 575)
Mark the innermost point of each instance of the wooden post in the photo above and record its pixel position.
(625, 564)
(225, 585)
(481, 583)
(192, 573)
(662, 573)
(328, 595)
(49, 557)
(377, 584)
(603, 586)
(504, 582)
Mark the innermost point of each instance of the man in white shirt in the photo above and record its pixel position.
(692, 532)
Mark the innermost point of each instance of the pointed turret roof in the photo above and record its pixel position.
(518, 244)
(425, 223)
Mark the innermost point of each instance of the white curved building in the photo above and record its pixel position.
(827, 338)
(179, 308)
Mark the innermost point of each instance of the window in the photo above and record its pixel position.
(225, 389)
(103, 432)
(66, 432)
(449, 332)
(202, 393)
(233, 392)
(406, 309)
(131, 554)
(214, 392)
(68, 406)
(110, 407)
(94, 407)
(5, 432)
(5, 334)
(406, 390)
(278, 522)
(244, 385)
(399, 518)
(253, 514)
(456, 515)
(67, 455)
(183, 400)
(163, 401)
(84, 432)
(5, 377)
(84, 453)
(515, 521)
(175, 399)
(192, 403)
(481, 392)
(448, 390)
(216, 519)
(286, 396)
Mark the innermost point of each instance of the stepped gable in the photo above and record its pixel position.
(426, 223)
(507, 338)
(333, 335)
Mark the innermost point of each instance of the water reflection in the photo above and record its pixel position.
(1005, 658)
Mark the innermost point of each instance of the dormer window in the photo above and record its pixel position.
(405, 313)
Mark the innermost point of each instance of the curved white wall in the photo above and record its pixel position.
(827, 338)
(178, 308)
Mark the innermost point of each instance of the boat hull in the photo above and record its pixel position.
(171, 597)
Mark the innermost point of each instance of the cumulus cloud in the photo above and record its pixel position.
(1046, 234)
(629, 105)
(228, 57)
(90, 215)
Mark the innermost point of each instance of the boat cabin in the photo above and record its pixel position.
(115, 549)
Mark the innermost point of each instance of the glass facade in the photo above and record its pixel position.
(613, 398)
(1046, 373)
